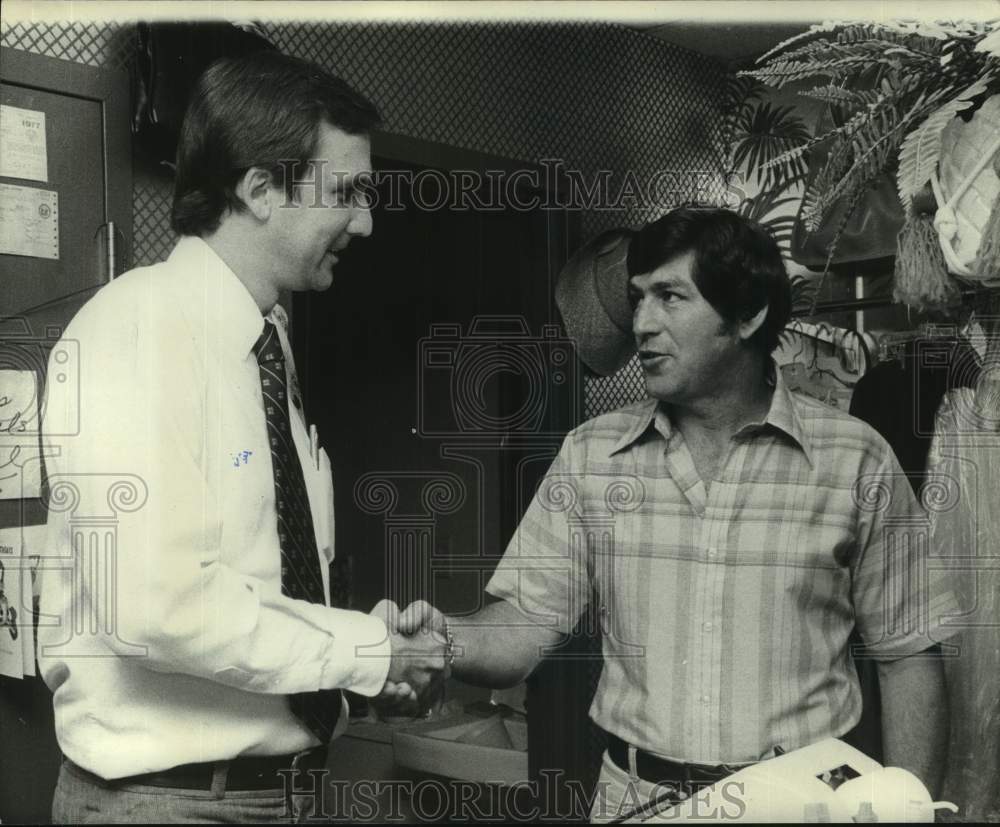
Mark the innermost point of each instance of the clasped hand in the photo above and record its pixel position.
(419, 666)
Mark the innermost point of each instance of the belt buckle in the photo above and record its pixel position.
(296, 767)
(309, 759)
(302, 763)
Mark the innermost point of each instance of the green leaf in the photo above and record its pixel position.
(886, 83)
(990, 44)
(919, 153)
(815, 29)
(832, 93)
(782, 72)
(765, 133)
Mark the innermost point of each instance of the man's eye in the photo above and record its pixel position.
(354, 196)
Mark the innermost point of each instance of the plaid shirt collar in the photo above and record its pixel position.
(782, 414)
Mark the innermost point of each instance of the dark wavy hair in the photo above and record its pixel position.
(737, 265)
(261, 110)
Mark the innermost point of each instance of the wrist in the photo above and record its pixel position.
(449, 648)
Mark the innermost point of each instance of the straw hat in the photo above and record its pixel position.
(592, 294)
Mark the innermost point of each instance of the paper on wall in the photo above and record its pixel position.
(29, 222)
(20, 470)
(26, 619)
(23, 150)
(33, 549)
(11, 647)
(18, 402)
(20, 460)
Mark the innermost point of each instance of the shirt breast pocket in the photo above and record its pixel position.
(623, 572)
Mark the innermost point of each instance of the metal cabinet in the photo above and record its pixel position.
(89, 168)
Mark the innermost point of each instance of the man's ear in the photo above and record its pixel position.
(751, 325)
(255, 191)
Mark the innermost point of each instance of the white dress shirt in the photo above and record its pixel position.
(173, 643)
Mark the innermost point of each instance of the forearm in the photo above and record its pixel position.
(213, 622)
(191, 597)
(279, 647)
(498, 646)
(915, 717)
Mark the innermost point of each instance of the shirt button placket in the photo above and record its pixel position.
(711, 643)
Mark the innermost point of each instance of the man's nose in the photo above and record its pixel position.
(361, 221)
(644, 320)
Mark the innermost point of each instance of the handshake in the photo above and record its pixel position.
(420, 657)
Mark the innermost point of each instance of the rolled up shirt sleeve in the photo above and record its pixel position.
(901, 598)
(544, 571)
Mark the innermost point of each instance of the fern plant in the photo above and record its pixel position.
(892, 88)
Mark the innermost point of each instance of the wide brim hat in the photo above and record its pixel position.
(592, 295)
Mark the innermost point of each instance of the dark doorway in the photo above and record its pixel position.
(439, 354)
(381, 363)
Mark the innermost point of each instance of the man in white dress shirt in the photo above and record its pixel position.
(194, 655)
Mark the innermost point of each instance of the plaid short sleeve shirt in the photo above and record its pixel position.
(726, 612)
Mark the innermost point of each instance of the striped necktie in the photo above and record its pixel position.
(301, 577)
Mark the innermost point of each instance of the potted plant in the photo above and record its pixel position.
(893, 89)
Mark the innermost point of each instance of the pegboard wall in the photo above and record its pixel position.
(597, 96)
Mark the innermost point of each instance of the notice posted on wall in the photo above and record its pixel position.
(34, 547)
(23, 150)
(20, 470)
(11, 646)
(20, 459)
(29, 222)
(18, 402)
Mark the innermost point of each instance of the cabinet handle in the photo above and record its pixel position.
(111, 233)
(112, 250)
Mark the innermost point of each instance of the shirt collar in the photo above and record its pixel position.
(647, 410)
(218, 296)
(782, 414)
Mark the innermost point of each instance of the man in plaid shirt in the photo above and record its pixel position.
(734, 534)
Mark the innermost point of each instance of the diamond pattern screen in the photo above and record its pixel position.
(104, 44)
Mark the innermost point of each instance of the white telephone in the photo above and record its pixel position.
(827, 781)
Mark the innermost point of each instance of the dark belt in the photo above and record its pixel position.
(246, 773)
(664, 771)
